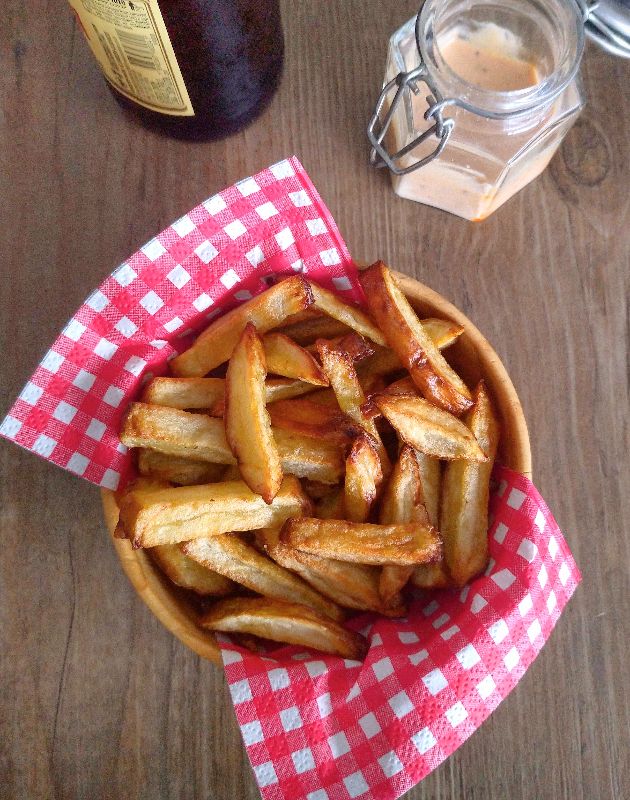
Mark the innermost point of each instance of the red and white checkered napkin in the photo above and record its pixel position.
(315, 727)
(214, 257)
(320, 728)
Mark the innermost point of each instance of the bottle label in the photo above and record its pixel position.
(130, 42)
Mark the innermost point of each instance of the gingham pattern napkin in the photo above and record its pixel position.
(211, 259)
(320, 728)
(314, 727)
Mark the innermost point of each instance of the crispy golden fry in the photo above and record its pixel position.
(331, 506)
(363, 543)
(139, 484)
(442, 332)
(352, 343)
(285, 357)
(363, 478)
(311, 419)
(209, 393)
(166, 516)
(285, 388)
(242, 563)
(202, 438)
(266, 311)
(284, 622)
(177, 433)
(465, 492)
(383, 362)
(173, 469)
(307, 331)
(350, 585)
(309, 458)
(187, 573)
(404, 386)
(428, 428)
(345, 384)
(402, 502)
(184, 392)
(309, 314)
(430, 478)
(351, 316)
(430, 576)
(405, 334)
(275, 389)
(247, 425)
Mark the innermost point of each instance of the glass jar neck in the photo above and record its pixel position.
(471, 49)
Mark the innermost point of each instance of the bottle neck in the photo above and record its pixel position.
(501, 60)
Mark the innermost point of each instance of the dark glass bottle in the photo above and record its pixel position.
(194, 69)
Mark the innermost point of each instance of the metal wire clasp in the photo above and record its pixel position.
(378, 126)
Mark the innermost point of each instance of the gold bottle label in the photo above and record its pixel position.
(132, 46)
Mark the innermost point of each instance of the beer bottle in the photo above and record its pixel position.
(195, 69)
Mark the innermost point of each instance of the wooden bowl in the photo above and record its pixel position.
(471, 356)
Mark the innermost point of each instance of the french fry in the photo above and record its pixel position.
(402, 501)
(363, 478)
(404, 386)
(350, 585)
(364, 543)
(285, 357)
(214, 346)
(308, 330)
(202, 438)
(442, 332)
(309, 458)
(428, 428)
(247, 425)
(285, 388)
(384, 360)
(317, 421)
(430, 576)
(275, 389)
(173, 469)
(404, 332)
(351, 316)
(167, 516)
(184, 392)
(238, 561)
(177, 433)
(185, 572)
(352, 343)
(344, 382)
(430, 478)
(465, 493)
(209, 393)
(284, 622)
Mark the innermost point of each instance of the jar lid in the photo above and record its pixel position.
(607, 22)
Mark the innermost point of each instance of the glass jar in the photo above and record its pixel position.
(503, 90)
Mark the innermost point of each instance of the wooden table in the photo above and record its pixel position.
(98, 700)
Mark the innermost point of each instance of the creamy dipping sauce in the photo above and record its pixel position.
(488, 57)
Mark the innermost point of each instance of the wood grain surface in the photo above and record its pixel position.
(97, 699)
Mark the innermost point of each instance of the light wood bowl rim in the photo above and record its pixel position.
(153, 587)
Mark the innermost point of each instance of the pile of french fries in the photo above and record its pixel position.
(307, 459)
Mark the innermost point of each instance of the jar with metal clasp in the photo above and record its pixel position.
(478, 96)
